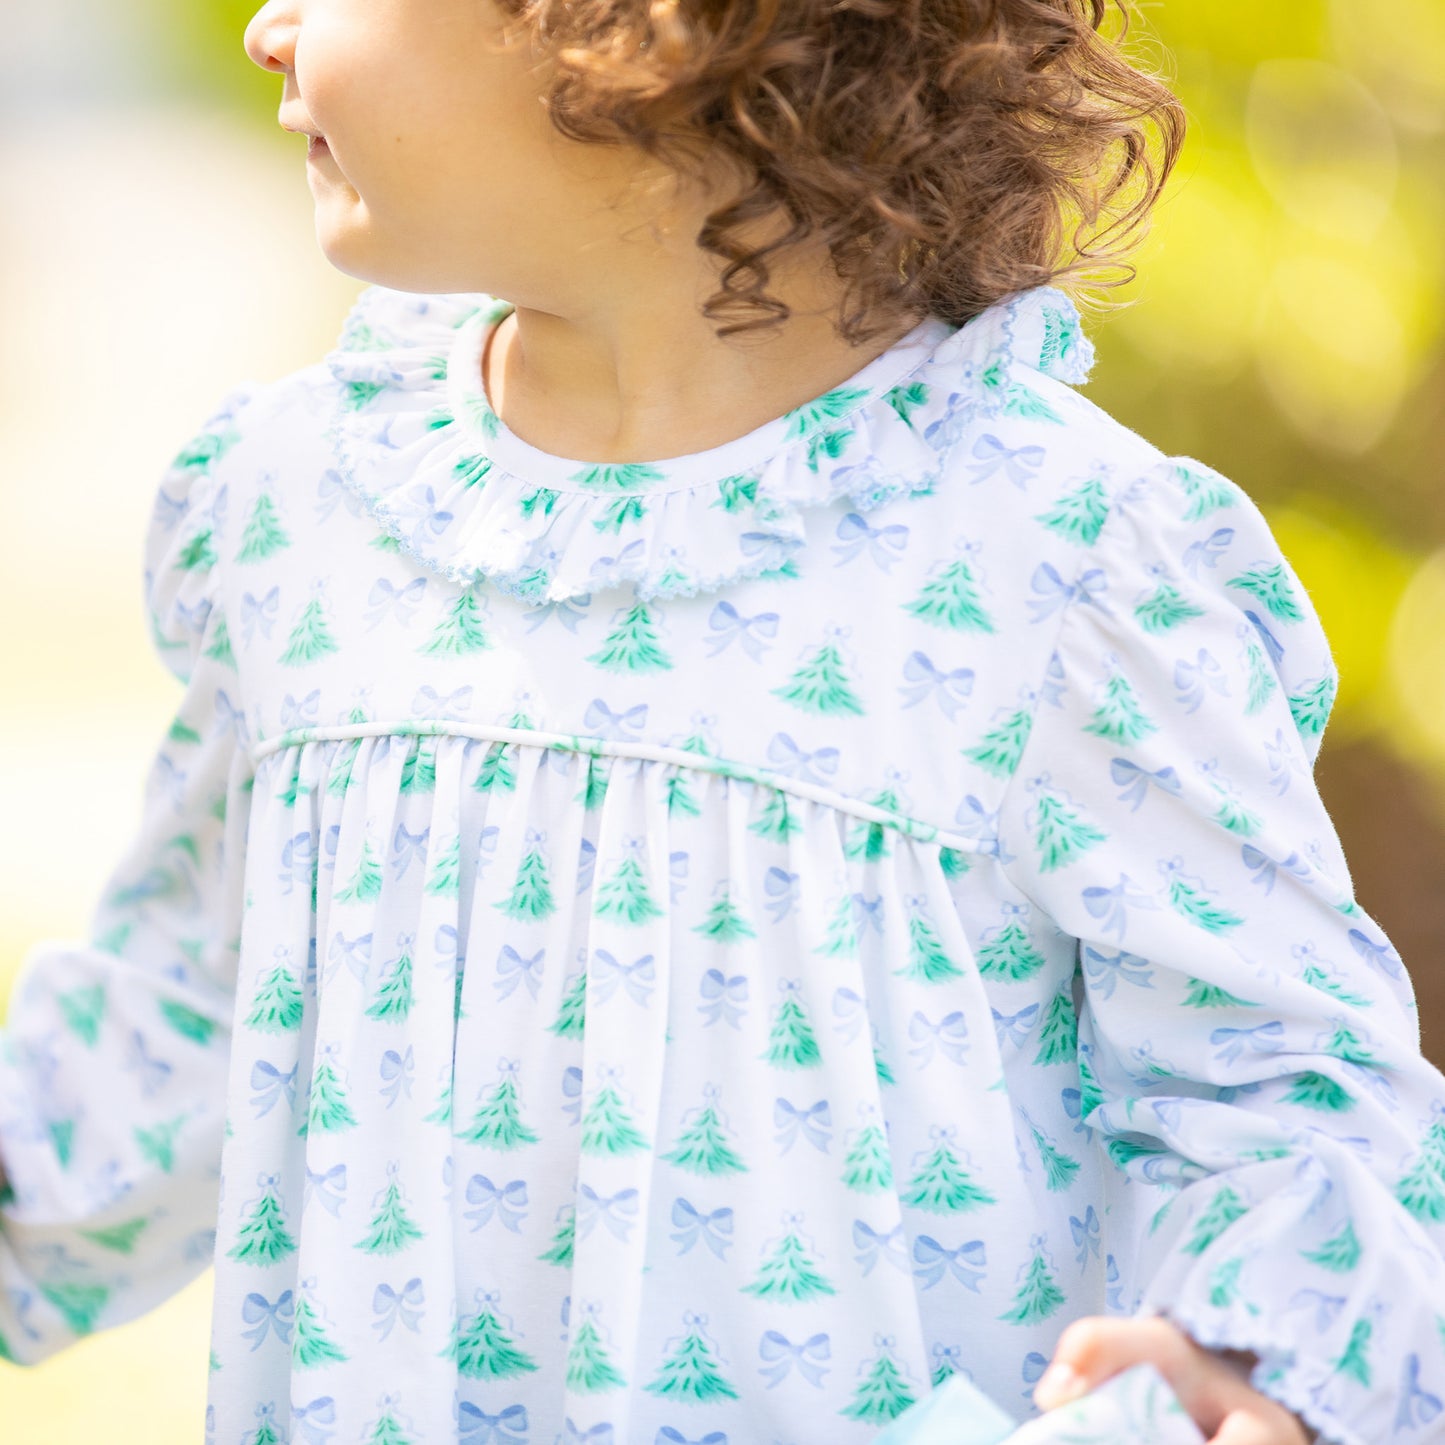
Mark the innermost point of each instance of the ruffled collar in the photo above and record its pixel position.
(416, 439)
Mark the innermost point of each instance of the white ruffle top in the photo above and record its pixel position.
(697, 951)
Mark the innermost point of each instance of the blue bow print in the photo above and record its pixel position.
(1378, 953)
(849, 1010)
(296, 714)
(569, 611)
(479, 1428)
(406, 845)
(1135, 781)
(1327, 1307)
(232, 718)
(965, 1263)
(604, 569)
(1106, 969)
(1207, 551)
(1109, 905)
(1021, 463)
(1417, 1406)
(1192, 679)
(815, 1124)
(269, 1084)
(154, 1073)
(782, 890)
(723, 996)
(949, 1035)
(793, 762)
(1055, 593)
(572, 1090)
(773, 550)
(508, 1202)
(636, 976)
(1086, 1235)
(597, 1435)
(266, 1315)
(511, 967)
(396, 1071)
(420, 506)
(311, 1418)
(1261, 1039)
(388, 1306)
(728, 625)
(885, 544)
(618, 1211)
(871, 1245)
(709, 1227)
(949, 689)
(452, 706)
(668, 1436)
(356, 952)
(608, 724)
(1113, 1288)
(782, 1355)
(258, 612)
(1266, 868)
(1015, 1026)
(386, 598)
(331, 1187)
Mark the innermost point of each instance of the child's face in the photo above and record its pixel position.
(441, 170)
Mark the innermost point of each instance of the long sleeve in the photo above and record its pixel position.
(114, 1052)
(1248, 1046)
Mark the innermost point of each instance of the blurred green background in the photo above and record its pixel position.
(157, 248)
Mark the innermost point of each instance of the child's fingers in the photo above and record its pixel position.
(1091, 1350)
(1244, 1427)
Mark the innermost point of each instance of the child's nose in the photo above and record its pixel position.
(270, 38)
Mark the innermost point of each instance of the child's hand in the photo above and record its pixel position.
(1210, 1385)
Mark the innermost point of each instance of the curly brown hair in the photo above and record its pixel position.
(948, 153)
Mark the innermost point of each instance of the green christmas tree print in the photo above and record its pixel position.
(310, 1343)
(883, 1394)
(158, 1143)
(928, 960)
(1001, 747)
(1339, 1254)
(365, 884)
(560, 1250)
(219, 647)
(1218, 1215)
(392, 1228)
(1090, 1094)
(775, 821)
(310, 639)
(483, 1349)
(625, 896)
(1058, 1034)
(1059, 1168)
(789, 1272)
(266, 1432)
(607, 1127)
(791, 1041)
(1224, 1283)
(618, 476)
(498, 1120)
(1354, 1362)
(1164, 608)
(1271, 584)
(821, 684)
(1191, 903)
(461, 633)
(589, 1367)
(1422, 1187)
(940, 1182)
(83, 1010)
(842, 936)
(1311, 708)
(1008, 953)
(632, 645)
(680, 800)
(393, 997)
(1119, 718)
(1312, 1090)
(264, 534)
(571, 1012)
(725, 922)
(1078, 516)
(867, 1166)
(690, 1372)
(329, 1111)
(444, 870)
(1207, 491)
(262, 1238)
(1038, 1294)
(702, 1147)
(496, 772)
(187, 1022)
(388, 1431)
(1262, 680)
(1199, 994)
(419, 769)
(119, 1237)
(950, 599)
(1061, 833)
(531, 895)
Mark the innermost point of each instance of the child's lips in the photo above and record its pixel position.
(316, 146)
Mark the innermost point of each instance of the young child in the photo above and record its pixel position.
(703, 879)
